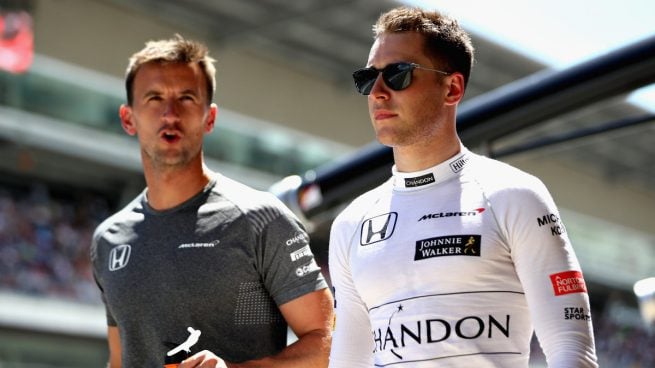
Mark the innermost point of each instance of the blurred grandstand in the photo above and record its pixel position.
(283, 79)
(42, 236)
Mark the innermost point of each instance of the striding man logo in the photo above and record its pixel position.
(470, 245)
(378, 228)
(119, 256)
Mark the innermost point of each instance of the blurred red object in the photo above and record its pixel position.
(16, 41)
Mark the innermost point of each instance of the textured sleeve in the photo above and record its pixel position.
(352, 342)
(286, 261)
(550, 274)
(95, 262)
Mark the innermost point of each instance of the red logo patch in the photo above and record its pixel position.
(568, 282)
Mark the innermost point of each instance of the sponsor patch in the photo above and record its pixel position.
(199, 245)
(119, 256)
(300, 237)
(450, 245)
(404, 338)
(576, 313)
(300, 253)
(568, 282)
(305, 269)
(438, 215)
(419, 180)
(553, 222)
(459, 164)
(378, 228)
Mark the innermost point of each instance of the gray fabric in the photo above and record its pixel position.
(221, 263)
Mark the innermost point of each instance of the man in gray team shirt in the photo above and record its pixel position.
(197, 252)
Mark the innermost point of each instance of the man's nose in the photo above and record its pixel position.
(379, 89)
(170, 109)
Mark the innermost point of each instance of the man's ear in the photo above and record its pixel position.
(211, 118)
(455, 88)
(125, 113)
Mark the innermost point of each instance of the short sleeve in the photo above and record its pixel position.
(286, 261)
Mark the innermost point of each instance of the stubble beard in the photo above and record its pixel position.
(403, 134)
(168, 159)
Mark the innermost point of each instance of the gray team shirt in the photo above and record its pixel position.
(222, 263)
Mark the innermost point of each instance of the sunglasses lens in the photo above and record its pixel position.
(365, 79)
(398, 76)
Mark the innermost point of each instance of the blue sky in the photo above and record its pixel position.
(559, 33)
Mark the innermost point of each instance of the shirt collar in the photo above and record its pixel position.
(452, 167)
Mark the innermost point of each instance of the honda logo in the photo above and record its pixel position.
(378, 228)
(119, 256)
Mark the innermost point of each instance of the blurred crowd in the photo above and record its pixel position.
(624, 345)
(44, 250)
(618, 345)
(45, 240)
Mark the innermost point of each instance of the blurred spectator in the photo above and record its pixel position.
(629, 345)
(44, 242)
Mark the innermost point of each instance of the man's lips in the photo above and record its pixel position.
(170, 136)
(383, 114)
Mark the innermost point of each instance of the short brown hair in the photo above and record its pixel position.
(174, 50)
(445, 40)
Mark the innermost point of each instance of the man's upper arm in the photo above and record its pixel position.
(352, 342)
(310, 312)
(542, 255)
(114, 340)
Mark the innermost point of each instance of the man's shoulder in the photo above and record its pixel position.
(122, 215)
(249, 201)
(499, 179)
(500, 174)
(116, 223)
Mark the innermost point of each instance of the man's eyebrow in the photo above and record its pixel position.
(189, 91)
(156, 92)
(152, 92)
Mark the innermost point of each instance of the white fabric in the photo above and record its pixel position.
(451, 267)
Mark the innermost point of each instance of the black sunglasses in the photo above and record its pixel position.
(396, 76)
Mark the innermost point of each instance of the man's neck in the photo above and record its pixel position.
(172, 187)
(420, 157)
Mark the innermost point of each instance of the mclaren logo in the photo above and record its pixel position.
(119, 256)
(438, 215)
(379, 228)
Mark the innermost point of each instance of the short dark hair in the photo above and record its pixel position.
(174, 50)
(445, 41)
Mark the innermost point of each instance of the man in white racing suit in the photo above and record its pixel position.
(457, 258)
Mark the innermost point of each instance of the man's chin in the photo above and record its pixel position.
(171, 161)
(386, 139)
